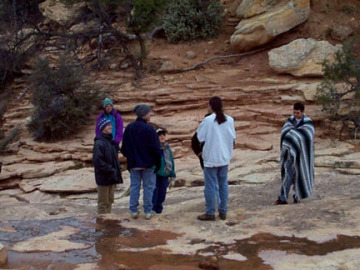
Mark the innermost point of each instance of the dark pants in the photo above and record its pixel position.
(117, 147)
(105, 198)
(159, 193)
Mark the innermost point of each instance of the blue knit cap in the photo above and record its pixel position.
(103, 123)
(107, 101)
(142, 110)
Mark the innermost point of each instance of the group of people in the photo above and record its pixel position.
(148, 156)
(150, 160)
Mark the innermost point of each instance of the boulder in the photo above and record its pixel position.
(263, 28)
(302, 57)
(167, 66)
(190, 55)
(63, 14)
(340, 32)
(251, 8)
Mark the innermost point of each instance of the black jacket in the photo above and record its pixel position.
(141, 145)
(197, 148)
(106, 162)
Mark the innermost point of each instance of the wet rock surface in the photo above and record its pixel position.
(256, 234)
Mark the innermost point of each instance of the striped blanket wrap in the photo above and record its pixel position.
(297, 151)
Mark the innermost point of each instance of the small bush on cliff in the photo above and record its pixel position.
(188, 20)
(339, 93)
(62, 100)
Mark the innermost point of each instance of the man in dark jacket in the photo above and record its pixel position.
(107, 167)
(141, 147)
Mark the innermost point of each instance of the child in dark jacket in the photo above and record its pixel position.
(166, 171)
(107, 167)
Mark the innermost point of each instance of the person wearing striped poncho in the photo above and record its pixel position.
(297, 156)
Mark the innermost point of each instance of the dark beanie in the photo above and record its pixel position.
(103, 123)
(142, 110)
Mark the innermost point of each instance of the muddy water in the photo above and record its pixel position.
(116, 247)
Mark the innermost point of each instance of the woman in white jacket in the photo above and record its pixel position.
(217, 131)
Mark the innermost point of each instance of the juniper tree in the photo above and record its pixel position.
(339, 92)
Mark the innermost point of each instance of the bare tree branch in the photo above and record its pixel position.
(198, 65)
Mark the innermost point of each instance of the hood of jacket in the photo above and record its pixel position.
(103, 137)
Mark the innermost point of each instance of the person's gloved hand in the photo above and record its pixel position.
(171, 182)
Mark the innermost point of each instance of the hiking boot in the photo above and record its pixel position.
(205, 217)
(134, 215)
(279, 202)
(222, 216)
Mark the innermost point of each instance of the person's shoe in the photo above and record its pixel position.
(279, 202)
(134, 215)
(205, 217)
(148, 215)
(222, 216)
(296, 200)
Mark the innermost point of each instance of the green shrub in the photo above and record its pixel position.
(62, 100)
(339, 92)
(144, 15)
(191, 19)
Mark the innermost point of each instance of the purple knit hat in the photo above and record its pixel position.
(103, 123)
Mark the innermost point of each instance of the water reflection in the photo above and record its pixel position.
(115, 247)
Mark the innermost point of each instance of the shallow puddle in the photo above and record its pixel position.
(145, 250)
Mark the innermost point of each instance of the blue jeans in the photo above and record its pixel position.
(149, 178)
(159, 193)
(216, 183)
